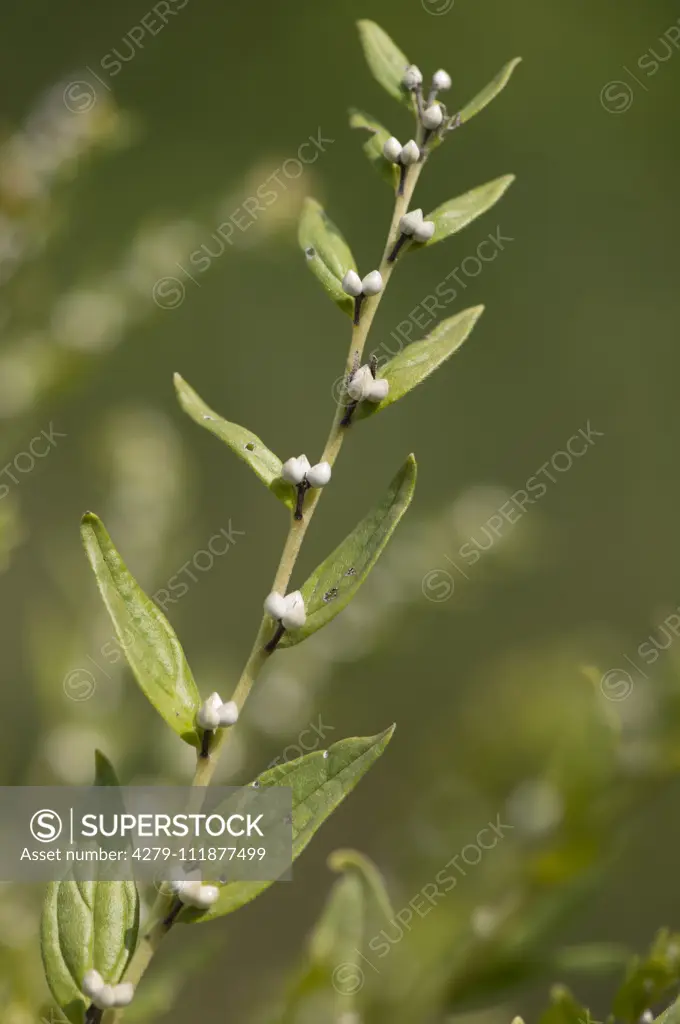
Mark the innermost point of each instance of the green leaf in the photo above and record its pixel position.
(490, 91)
(242, 442)
(456, 214)
(319, 783)
(373, 148)
(152, 649)
(327, 254)
(86, 926)
(648, 979)
(377, 900)
(418, 360)
(334, 583)
(385, 59)
(564, 1009)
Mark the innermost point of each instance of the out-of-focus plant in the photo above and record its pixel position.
(94, 961)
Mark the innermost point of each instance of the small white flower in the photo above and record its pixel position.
(410, 222)
(441, 80)
(208, 714)
(319, 475)
(424, 231)
(413, 77)
(379, 390)
(351, 284)
(359, 387)
(275, 605)
(228, 714)
(392, 150)
(188, 892)
(92, 983)
(123, 994)
(295, 615)
(105, 998)
(433, 117)
(293, 470)
(372, 283)
(410, 154)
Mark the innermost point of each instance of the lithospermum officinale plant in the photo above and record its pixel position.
(93, 949)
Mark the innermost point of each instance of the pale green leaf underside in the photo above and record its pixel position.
(85, 926)
(417, 361)
(385, 59)
(456, 214)
(352, 861)
(373, 148)
(490, 91)
(319, 784)
(334, 583)
(152, 649)
(246, 445)
(326, 252)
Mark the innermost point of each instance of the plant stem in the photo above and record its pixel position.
(259, 654)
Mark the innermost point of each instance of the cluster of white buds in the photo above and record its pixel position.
(413, 225)
(297, 471)
(215, 714)
(362, 386)
(354, 286)
(398, 154)
(288, 610)
(192, 893)
(107, 997)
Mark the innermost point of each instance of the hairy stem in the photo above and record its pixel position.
(259, 654)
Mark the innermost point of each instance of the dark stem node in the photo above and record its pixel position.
(93, 1015)
(302, 489)
(205, 743)
(173, 914)
(274, 642)
(403, 171)
(349, 412)
(398, 245)
(357, 308)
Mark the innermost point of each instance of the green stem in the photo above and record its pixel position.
(258, 656)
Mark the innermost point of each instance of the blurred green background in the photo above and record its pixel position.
(109, 180)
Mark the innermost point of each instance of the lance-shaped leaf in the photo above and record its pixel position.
(385, 59)
(242, 442)
(319, 783)
(327, 254)
(334, 583)
(490, 91)
(151, 647)
(418, 360)
(456, 214)
(373, 148)
(86, 926)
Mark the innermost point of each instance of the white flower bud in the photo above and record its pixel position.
(319, 475)
(441, 80)
(351, 283)
(105, 998)
(123, 994)
(410, 154)
(360, 385)
(379, 390)
(189, 892)
(392, 150)
(413, 77)
(433, 117)
(92, 984)
(208, 896)
(424, 231)
(228, 714)
(208, 714)
(294, 616)
(275, 605)
(410, 221)
(372, 283)
(293, 470)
